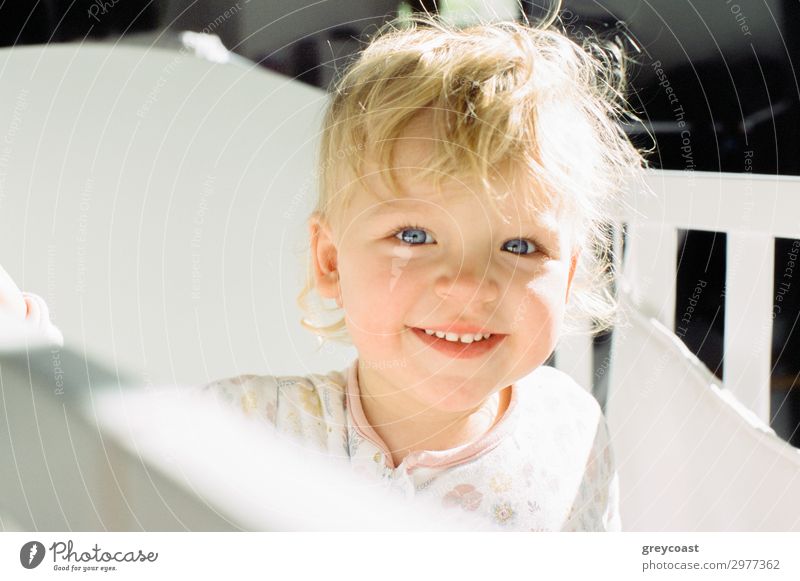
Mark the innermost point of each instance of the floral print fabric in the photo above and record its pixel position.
(546, 465)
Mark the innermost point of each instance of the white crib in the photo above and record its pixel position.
(753, 210)
(694, 454)
(152, 199)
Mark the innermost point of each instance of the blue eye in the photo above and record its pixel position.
(414, 236)
(520, 246)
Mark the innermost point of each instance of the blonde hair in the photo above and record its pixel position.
(500, 93)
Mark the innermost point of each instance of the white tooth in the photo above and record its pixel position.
(478, 336)
(487, 335)
(451, 336)
(466, 338)
(429, 332)
(440, 334)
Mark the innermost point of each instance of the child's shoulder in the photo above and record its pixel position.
(551, 389)
(331, 380)
(250, 392)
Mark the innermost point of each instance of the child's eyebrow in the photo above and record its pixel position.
(391, 206)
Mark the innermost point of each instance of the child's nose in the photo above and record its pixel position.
(468, 282)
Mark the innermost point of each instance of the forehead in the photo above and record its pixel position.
(508, 195)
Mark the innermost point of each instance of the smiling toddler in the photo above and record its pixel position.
(466, 178)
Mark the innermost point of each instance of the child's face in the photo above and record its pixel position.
(461, 267)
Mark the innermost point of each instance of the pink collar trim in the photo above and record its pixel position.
(429, 458)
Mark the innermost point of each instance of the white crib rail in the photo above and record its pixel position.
(83, 449)
(722, 202)
(752, 210)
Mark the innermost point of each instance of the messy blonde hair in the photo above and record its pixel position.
(500, 93)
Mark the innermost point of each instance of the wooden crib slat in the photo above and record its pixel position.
(651, 270)
(748, 319)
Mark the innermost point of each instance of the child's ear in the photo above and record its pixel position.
(324, 258)
(573, 264)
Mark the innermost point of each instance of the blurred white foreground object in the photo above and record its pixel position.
(81, 449)
(157, 202)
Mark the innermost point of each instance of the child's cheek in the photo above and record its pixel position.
(372, 289)
(398, 268)
(539, 308)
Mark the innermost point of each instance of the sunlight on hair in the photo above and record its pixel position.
(500, 94)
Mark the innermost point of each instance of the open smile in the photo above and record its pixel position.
(458, 349)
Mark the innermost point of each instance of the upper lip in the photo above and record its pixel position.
(460, 329)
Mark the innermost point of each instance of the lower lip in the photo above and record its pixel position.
(459, 350)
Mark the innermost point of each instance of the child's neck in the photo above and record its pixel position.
(405, 426)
